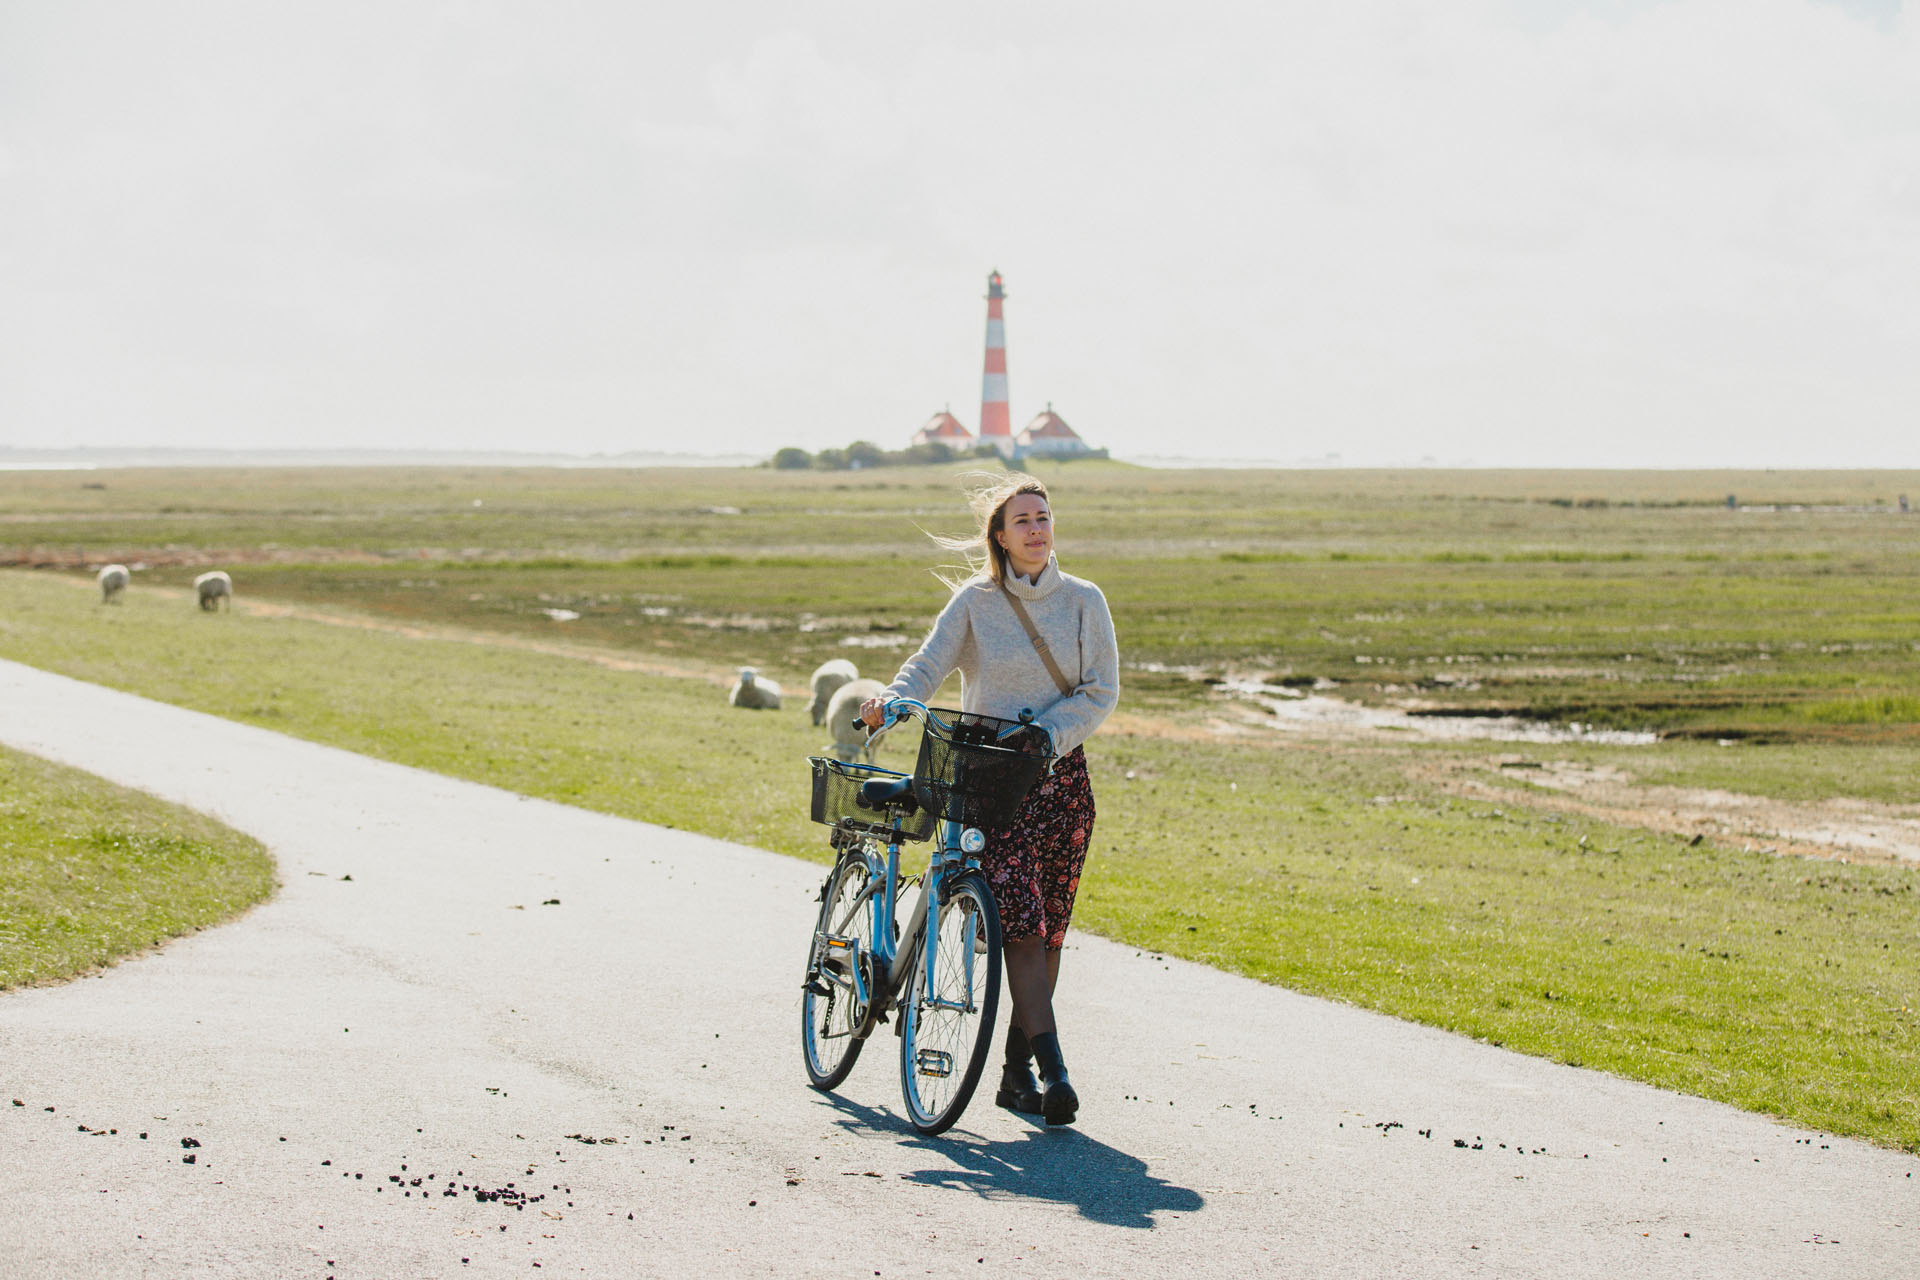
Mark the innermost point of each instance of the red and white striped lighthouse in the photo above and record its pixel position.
(996, 424)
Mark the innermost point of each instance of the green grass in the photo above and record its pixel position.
(1776, 984)
(1644, 646)
(1624, 599)
(1885, 709)
(91, 872)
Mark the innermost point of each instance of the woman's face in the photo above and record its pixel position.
(1026, 533)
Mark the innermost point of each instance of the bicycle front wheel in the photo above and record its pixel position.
(836, 997)
(952, 995)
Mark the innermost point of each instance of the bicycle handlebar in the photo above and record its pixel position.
(898, 709)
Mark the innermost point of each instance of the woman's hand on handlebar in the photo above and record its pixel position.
(873, 712)
(1031, 739)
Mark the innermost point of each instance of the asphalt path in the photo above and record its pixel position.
(586, 1029)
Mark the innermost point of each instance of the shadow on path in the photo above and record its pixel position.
(1065, 1166)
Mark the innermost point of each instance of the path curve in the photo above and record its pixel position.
(408, 1009)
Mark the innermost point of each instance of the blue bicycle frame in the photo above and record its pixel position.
(948, 857)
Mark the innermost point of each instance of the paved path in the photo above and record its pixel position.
(407, 1011)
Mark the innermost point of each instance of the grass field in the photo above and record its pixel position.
(1616, 599)
(91, 872)
(1636, 600)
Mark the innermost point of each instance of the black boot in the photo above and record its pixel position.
(1019, 1091)
(1059, 1103)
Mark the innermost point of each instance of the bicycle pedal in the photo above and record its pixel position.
(818, 988)
(937, 1063)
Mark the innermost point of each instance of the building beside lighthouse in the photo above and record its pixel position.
(1049, 436)
(944, 428)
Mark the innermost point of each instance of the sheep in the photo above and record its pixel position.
(754, 693)
(113, 580)
(850, 743)
(211, 588)
(827, 677)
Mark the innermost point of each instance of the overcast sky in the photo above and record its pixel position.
(1506, 232)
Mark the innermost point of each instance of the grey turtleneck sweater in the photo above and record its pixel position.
(978, 635)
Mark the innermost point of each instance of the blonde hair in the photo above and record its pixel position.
(988, 494)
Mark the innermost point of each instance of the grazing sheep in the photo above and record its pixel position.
(850, 743)
(113, 580)
(211, 588)
(754, 693)
(827, 677)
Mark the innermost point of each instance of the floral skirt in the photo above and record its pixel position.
(1034, 862)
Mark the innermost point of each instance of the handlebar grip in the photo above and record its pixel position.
(887, 719)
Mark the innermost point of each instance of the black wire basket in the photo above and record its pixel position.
(976, 770)
(837, 801)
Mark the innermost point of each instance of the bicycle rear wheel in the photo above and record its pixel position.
(833, 1013)
(947, 1024)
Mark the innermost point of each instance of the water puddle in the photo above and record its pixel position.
(879, 641)
(1307, 711)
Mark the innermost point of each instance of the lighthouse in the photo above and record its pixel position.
(996, 424)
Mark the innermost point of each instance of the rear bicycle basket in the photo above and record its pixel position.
(965, 775)
(837, 801)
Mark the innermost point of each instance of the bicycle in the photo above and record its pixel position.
(941, 985)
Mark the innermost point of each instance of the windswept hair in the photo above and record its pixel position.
(988, 494)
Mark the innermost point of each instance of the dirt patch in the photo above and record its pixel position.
(612, 660)
(1844, 829)
(1127, 724)
(149, 558)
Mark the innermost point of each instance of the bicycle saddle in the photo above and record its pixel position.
(883, 793)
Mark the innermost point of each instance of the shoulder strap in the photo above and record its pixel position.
(1039, 642)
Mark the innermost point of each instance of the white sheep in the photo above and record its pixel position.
(754, 693)
(827, 677)
(113, 580)
(211, 588)
(850, 743)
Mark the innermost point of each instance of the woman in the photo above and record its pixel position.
(1033, 863)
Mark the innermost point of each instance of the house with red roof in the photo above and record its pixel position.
(1049, 436)
(944, 428)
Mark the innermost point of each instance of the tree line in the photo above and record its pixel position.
(862, 454)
